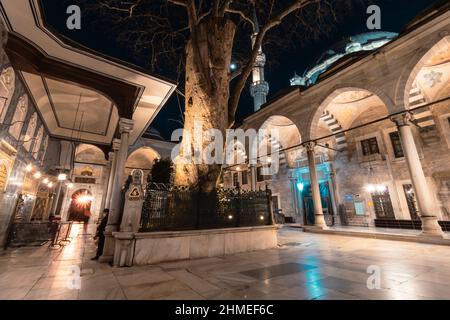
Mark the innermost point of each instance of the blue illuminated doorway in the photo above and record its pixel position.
(308, 204)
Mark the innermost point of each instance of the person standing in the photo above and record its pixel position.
(101, 234)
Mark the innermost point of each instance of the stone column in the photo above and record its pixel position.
(318, 211)
(106, 176)
(333, 200)
(113, 158)
(125, 127)
(253, 177)
(430, 225)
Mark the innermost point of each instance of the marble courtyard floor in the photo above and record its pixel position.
(305, 266)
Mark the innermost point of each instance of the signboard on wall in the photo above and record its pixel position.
(84, 180)
(348, 197)
(359, 208)
(135, 194)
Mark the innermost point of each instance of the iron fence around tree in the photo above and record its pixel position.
(179, 208)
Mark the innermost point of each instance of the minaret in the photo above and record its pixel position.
(259, 87)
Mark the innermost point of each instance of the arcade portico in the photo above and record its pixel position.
(69, 118)
(365, 140)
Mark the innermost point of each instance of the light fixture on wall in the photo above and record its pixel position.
(373, 185)
(45, 181)
(70, 185)
(300, 186)
(28, 168)
(62, 177)
(50, 184)
(37, 175)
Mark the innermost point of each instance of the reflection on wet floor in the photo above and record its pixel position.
(305, 266)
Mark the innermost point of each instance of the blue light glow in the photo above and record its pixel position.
(300, 186)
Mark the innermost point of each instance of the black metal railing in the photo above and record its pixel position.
(179, 208)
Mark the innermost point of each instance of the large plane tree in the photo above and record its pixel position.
(201, 38)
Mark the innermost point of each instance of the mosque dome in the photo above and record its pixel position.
(362, 42)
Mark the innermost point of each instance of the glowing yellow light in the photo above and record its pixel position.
(45, 181)
(70, 185)
(230, 217)
(28, 168)
(84, 199)
(37, 175)
(261, 217)
(62, 176)
(50, 184)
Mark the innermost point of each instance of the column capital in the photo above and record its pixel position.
(116, 144)
(310, 146)
(125, 125)
(403, 119)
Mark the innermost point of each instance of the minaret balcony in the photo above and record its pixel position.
(260, 86)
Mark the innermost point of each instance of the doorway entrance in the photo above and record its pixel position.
(80, 206)
(308, 204)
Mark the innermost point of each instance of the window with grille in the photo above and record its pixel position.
(369, 146)
(396, 144)
(411, 201)
(383, 205)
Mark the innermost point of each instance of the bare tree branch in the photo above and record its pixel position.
(182, 3)
(243, 16)
(224, 7)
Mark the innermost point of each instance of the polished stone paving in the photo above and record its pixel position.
(304, 266)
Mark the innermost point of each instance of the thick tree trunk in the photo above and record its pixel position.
(206, 100)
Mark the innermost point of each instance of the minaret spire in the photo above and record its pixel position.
(259, 87)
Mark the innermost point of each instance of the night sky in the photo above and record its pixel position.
(296, 58)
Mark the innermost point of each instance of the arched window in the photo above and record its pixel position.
(19, 117)
(38, 142)
(7, 85)
(29, 135)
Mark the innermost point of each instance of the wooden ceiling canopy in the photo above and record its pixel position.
(25, 56)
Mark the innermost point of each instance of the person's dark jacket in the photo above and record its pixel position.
(102, 226)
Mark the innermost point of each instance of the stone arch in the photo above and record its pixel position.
(409, 73)
(143, 159)
(89, 153)
(286, 136)
(143, 156)
(81, 202)
(334, 93)
(7, 87)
